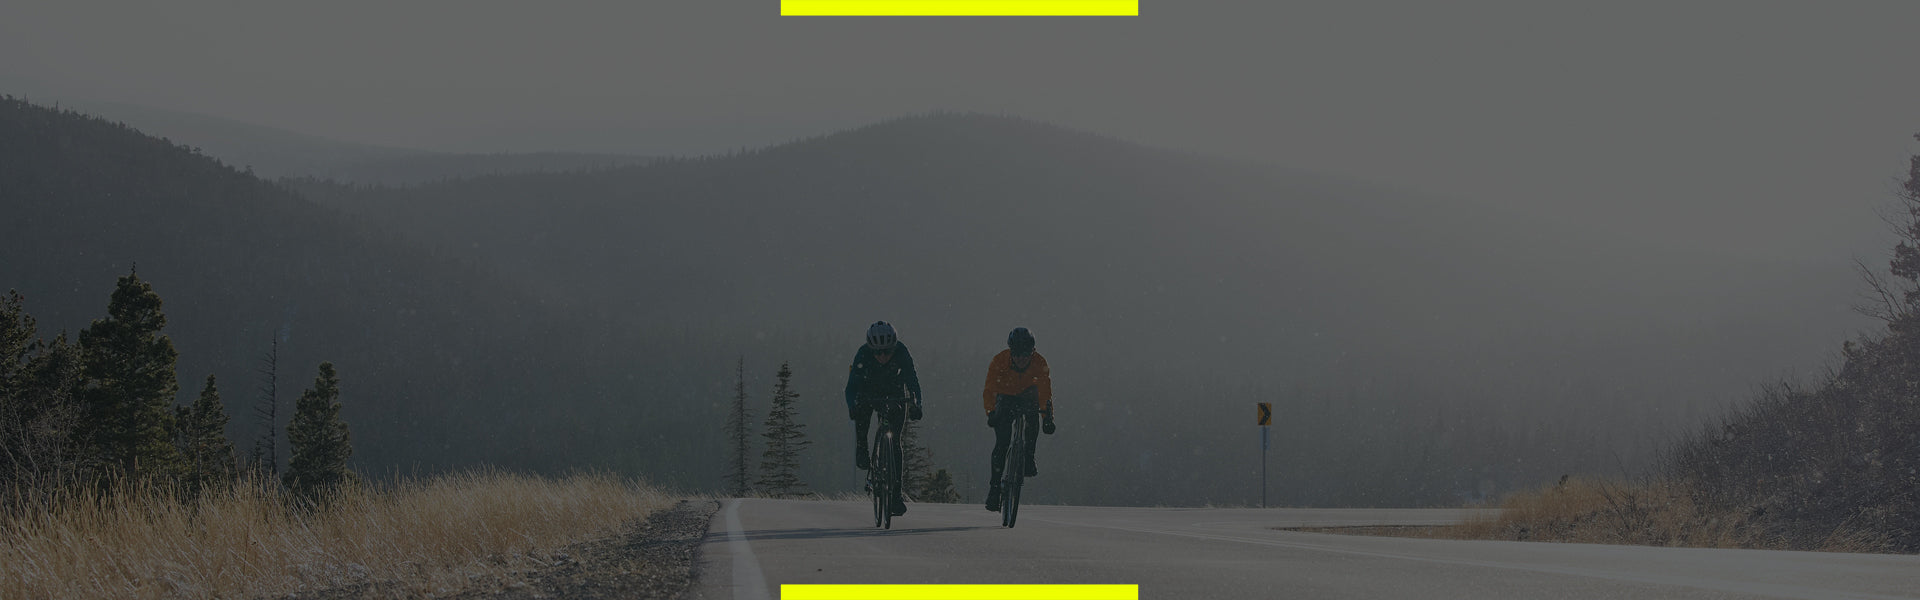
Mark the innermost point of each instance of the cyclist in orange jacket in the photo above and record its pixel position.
(1017, 376)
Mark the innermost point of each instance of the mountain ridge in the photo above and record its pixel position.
(272, 152)
(1131, 260)
(241, 262)
(593, 319)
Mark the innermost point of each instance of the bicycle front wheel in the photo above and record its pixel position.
(889, 487)
(1014, 475)
(875, 468)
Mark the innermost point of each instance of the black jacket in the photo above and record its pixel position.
(868, 378)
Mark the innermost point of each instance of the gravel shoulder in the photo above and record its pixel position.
(649, 558)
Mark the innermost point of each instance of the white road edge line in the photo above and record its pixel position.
(748, 583)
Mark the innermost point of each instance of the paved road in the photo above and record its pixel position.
(754, 546)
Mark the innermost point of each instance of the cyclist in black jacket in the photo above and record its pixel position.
(882, 369)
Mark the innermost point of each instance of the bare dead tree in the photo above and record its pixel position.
(266, 412)
(737, 421)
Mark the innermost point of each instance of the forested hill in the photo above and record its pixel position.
(441, 364)
(1170, 291)
(1418, 350)
(961, 225)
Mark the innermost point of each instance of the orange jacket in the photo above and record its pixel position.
(1002, 379)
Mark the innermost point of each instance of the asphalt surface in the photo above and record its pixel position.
(755, 545)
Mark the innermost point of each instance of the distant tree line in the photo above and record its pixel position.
(103, 411)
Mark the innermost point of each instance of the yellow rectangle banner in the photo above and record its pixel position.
(960, 8)
(959, 592)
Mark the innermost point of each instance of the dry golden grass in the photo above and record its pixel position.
(1653, 514)
(433, 536)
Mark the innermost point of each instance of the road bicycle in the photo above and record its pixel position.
(1020, 411)
(884, 472)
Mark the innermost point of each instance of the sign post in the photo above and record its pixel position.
(1266, 422)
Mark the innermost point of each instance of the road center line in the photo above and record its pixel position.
(748, 582)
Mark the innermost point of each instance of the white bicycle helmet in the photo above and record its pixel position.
(880, 336)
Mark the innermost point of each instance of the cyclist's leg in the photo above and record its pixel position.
(893, 419)
(863, 416)
(1002, 437)
(1030, 436)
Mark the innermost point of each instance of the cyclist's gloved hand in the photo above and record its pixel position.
(993, 419)
(1046, 424)
(853, 411)
(913, 411)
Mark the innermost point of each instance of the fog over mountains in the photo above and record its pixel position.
(1418, 349)
(963, 226)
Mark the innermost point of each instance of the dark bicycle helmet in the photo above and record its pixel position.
(1020, 341)
(880, 336)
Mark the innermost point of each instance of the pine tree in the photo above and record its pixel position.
(125, 421)
(37, 408)
(916, 460)
(939, 488)
(16, 410)
(737, 420)
(203, 441)
(920, 479)
(319, 440)
(42, 447)
(16, 340)
(16, 343)
(780, 463)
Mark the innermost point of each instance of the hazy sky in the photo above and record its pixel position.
(1777, 128)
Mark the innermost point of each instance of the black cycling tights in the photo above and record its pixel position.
(1003, 434)
(863, 419)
